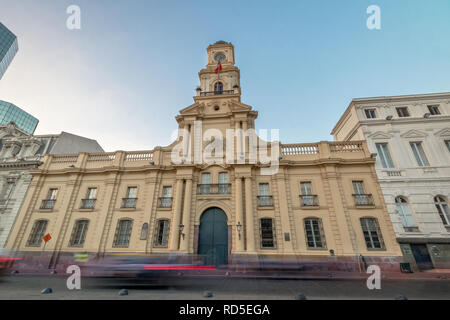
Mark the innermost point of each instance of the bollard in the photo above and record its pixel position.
(47, 291)
(123, 292)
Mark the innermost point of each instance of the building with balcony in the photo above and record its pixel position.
(410, 136)
(218, 191)
(21, 152)
(8, 48)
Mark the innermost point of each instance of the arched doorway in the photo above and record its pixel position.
(213, 237)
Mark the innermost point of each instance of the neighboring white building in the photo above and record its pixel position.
(410, 136)
(20, 152)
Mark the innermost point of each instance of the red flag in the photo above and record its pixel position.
(219, 67)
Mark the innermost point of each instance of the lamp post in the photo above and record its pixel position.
(238, 227)
(181, 230)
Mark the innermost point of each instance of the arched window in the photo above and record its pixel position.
(315, 237)
(267, 233)
(404, 211)
(144, 231)
(79, 233)
(372, 233)
(442, 207)
(37, 233)
(123, 233)
(218, 87)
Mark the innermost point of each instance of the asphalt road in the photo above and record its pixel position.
(29, 287)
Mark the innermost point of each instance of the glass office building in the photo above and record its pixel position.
(25, 121)
(8, 48)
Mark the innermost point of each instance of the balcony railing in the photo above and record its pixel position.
(47, 204)
(309, 200)
(87, 203)
(362, 200)
(129, 203)
(165, 202)
(222, 188)
(213, 93)
(265, 201)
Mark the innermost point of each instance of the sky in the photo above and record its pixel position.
(123, 77)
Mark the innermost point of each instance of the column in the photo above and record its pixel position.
(187, 216)
(249, 223)
(239, 215)
(175, 225)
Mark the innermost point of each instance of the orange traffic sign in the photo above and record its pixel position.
(47, 237)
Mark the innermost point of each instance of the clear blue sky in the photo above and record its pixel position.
(123, 77)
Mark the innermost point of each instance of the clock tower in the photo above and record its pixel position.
(224, 82)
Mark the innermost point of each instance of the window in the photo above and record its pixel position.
(52, 194)
(308, 199)
(403, 112)
(223, 182)
(314, 233)
(49, 203)
(419, 154)
(404, 212)
(206, 183)
(123, 233)
(130, 200)
(442, 207)
(372, 233)
(162, 233)
(167, 192)
(132, 192)
(144, 231)
(92, 193)
(79, 233)
(434, 110)
(218, 87)
(361, 198)
(37, 233)
(370, 113)
(447, 144)
(267, 233)
(265, 200)
(384, 155)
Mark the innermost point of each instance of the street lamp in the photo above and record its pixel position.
(238, 227)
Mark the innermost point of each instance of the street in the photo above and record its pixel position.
(30, 287)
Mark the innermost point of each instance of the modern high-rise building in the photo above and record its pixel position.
(8, 48)
(411, 137)
(24, 120)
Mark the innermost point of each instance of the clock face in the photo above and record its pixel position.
(219, 57)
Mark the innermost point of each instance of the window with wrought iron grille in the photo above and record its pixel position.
(37, 233)
(123, 233)
(79, 233)
(162, 233)
(267, 233)
(372, 233)
(315, 236)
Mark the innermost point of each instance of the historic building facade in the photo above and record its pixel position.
(21, 152)
(253, 202)
(411, 137)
